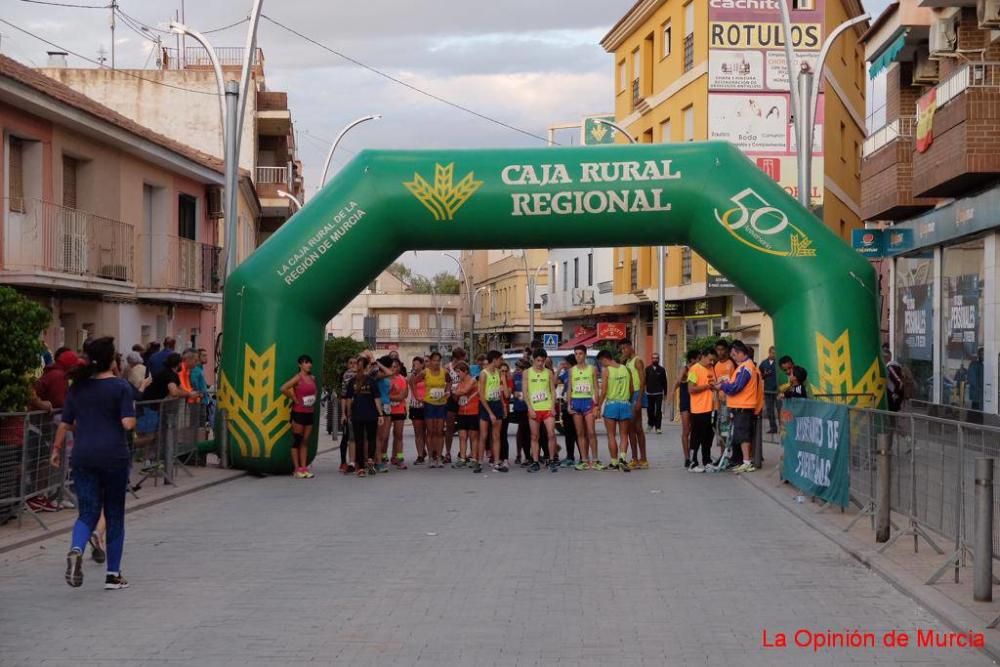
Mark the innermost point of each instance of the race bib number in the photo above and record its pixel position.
(494, 395)
(539, 396)
(437, 393)
(463, 400)
(581, 388)
(309, 401)
(395, 404)
(414, 403)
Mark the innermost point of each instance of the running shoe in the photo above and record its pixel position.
(504, 467)
(41, 504)
(298, 474)
(534, 467)
(568, 463)
(554, 466)
(497, 467)
(362, 473)
(372, 469)
(696, 469)
(419, 461)
(658, 431)
(524, 464)
(350, 469)
(446, 459)
(74, 568)
(459, 463)
(382, 467)
(633, 464)
(582, 465)
(477, 468)
(644, 465)
(115, 582)
(307, 473)
(597, 465)
(96, 551)
(400, 464)
(343, 467)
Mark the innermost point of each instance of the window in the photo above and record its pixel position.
(843, 142)
(69, 174)
(857, 159)
(665, 131)
(413, 321)
(914, 315)
(388, 321)
(590, 269)
(962, 340)
(565, 276)
(685, 265)
(447, 321)
(636, 76)
(432, 322)
(667, 39)
(187, 213)
(689, 123)
(688, 36)
(576, 272)
(552, 276)
(875, 103)
(15, 182)
(622, 77)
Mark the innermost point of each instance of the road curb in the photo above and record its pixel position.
(939, 604)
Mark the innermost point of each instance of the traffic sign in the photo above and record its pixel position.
(550, 341)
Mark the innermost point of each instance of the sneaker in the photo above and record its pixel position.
(371, 469)
(554, 466)
(524, 464)
(696, 469)
(382, 467)
(477, 468)
(597, 465)
(350, 469)
(644, 465)
(446, 459)
(419, 461)
(534, 467)
(687, 464)
(74, 568)
(582, 465)
(115, 582)
(658, 431)
(41, 504)
(497, 467)
(568, 463)
(96, 551)
(400, 464)
(459, 463)
(343, 467)
(307, 473)
(633, 464)
(298, 474)
(504, 467)
(362, 473)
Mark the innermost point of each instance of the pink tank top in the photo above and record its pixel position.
(305, 395)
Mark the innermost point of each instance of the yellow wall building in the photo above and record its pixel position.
(691, 71)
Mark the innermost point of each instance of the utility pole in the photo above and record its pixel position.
(114, 8)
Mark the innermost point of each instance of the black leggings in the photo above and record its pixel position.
(702, 435)
(523, 437)
(504, 445)
(364, 432)
(569, 432)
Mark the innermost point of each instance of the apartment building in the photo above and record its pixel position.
(108, 224)
(186, 109)
(686, 70)
(389, 312)
(501, 282)
(931, 191)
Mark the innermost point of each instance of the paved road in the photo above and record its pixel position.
(443, 567)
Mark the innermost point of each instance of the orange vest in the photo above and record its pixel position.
(185, 376)
(469, 405)
(752, 394)
(703, 401)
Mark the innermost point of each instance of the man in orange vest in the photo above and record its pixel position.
(745, 392)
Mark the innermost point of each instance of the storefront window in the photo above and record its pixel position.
(914, 325)
(962, 325)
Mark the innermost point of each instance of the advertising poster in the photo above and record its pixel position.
(962, 331)
(784, 170)
(736, 70)
(815, 438)
(917, 322)
(756, 123)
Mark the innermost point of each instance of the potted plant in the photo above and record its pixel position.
(22, 322)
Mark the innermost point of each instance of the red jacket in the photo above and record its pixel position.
(52, 386)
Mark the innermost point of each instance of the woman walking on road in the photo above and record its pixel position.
(99, 409)
(301, 390)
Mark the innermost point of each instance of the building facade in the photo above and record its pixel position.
(692, 71)
(392, 317)
(109, 225)
(930, 177)
(581, 293)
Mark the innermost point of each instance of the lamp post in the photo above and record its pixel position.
(348, 128)
(233, 98)
(532, 277)
(468, 291)
(472, 325)
(290, 197)
(804, 93)
(661, 256)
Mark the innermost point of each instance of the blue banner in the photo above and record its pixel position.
(816, 438)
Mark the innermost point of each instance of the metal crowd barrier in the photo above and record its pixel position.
(166, 438)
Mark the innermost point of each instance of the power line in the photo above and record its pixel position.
(103, 66)
(65, 4)
(406, 84)
(143, 24)
(126, 21)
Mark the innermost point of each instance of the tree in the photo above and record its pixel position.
(336, 352)
(22, 322)
(443, 283)
(401, 271)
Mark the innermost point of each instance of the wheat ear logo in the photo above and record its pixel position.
(445, 197)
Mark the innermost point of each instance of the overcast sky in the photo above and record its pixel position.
(527, 63)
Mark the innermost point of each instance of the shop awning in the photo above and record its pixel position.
(587, 339)
(888, 56)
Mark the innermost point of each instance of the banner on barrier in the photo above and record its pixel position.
(815, 436)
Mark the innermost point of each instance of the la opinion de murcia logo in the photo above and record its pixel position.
(444, 197)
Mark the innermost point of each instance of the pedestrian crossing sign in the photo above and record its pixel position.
(550, 341)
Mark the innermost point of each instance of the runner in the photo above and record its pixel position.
(508, 385)
(301, 391)
(701, 377)
(684, 404)
(99, 410)
(563, 391)
(435, 379)
(346, 428)
(583, 384)
(399, 390)
(519, 414)
(637, 435)
(467, 396)
(381, 368)
(418, 389)
(724, 367)
(365, 413)
(491, 411)
(541, 384)
(745, 392)
(457, 355)
(615, 393)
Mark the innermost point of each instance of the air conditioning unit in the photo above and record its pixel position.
(545, 300)
(925, 70)
(74, 253)
(988, 13)
(944, 38)
(215, 206)
(583, 297)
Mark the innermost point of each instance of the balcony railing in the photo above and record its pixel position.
(688, 52)
(43, 236)
(197, 57)
(272, 101)
(901, 127)
(973, 75)
(274, 175)
(418, 335)
(176, 263)
(636, 92)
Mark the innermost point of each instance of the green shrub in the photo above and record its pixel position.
(22, 322)
(336, 352)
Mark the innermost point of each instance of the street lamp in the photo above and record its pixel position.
(532, 277)
(661, 255)
(290, 197)
(804, 96)
(472, 335)
(468, 291)
(233, 100)
(329, 156)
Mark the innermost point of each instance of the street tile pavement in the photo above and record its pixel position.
(445, 567)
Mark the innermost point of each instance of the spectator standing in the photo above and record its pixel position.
(745, 399)
(769, 372)
(135, 370)
(99, 410)
(974, 379)
(894, 381)
(684, 403)
(157, 360)
(797, 383)
(51, 387)
(656, 386)
(700, 380)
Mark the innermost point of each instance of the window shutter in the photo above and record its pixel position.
(16, 183)
(69, 182)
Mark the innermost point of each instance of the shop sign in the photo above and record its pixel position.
(611, 330)
(917, 322)
(869, 242)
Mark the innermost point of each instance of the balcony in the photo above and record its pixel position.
(47, 245)
(418, 335)
(269, 181)
(196, 57)
(965, 152)
(186, 269)
(273, 117)
(887, 173)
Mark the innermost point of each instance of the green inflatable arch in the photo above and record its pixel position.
(821, 295)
